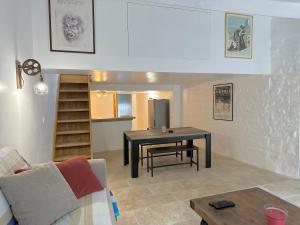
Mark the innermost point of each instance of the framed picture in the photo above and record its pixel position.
(72, 26)
(223, 102)
(238, 35)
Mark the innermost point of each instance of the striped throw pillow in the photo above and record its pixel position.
(6, 216)
(10, 161)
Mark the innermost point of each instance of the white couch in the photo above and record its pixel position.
(96, 208)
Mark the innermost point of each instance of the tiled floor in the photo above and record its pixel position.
(164, 199)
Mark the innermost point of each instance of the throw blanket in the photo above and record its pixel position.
(94, 210)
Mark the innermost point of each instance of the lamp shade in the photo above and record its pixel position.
(41, 88)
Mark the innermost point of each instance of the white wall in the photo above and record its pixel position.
(265, 130)
(141, 111)
(37, 119)
(108, 136)
(102, 107)
(9, 118)
(122, 46)
(21, 111)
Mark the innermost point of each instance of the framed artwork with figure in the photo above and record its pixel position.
(238, 35)
(72, 26)
(223, 102)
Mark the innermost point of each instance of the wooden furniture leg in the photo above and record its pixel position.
(189, 143)
(134, 160)
(203, 222)
(147, 161)
(208, 150)
(142, 155)
(191, 157)
(125, 150)
(197, 159)
(151, 164)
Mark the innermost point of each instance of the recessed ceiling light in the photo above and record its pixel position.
(151, 74)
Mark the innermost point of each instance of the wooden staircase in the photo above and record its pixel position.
(73, 121)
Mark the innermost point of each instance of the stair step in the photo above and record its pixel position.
(74, 82)
(74, 110)
(73, 118)
(74, 121)
(74, 100)
(73, 132)
(74, 90)
(73, 144)
(66, 157)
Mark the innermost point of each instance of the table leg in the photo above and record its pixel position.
(189, 143)
(134, 159)
(125, 150)
(203, 222)
(208, 151)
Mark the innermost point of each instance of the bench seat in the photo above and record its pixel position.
(170, 150)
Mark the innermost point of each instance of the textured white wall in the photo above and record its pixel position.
(265, 130)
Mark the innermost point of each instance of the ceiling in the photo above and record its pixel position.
(156, 78)
(293, 1)
(126, 77)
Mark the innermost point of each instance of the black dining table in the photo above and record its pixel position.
(156, 136)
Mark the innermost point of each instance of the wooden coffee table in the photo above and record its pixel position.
(249, 209)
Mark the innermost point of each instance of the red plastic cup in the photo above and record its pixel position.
(275, 215)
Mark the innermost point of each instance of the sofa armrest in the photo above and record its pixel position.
(99, 168)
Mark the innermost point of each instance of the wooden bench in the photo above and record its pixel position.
(171, 150)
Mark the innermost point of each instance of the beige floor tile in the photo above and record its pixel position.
(294, 200)
(285, 188)
(127, 218)
(188, 222)
(164, 199)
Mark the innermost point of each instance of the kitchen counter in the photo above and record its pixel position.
(108, 133)
(114, 119)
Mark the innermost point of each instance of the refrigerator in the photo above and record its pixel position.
(158, 113)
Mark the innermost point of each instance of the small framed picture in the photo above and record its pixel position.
(223, 102)
(238, 35)
(72, 26)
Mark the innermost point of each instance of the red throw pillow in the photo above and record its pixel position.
(22, 170)
(80, 177)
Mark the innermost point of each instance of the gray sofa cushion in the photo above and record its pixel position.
(99, 168)
(40, 196)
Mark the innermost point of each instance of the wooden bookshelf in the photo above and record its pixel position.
(73, 118)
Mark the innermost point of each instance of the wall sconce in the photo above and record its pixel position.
(31, 67)
(101, 93)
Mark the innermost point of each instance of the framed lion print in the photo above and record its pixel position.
(72, 26)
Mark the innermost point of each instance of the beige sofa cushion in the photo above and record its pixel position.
(40, 196)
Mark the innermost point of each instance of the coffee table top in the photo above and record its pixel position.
(249, 209)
